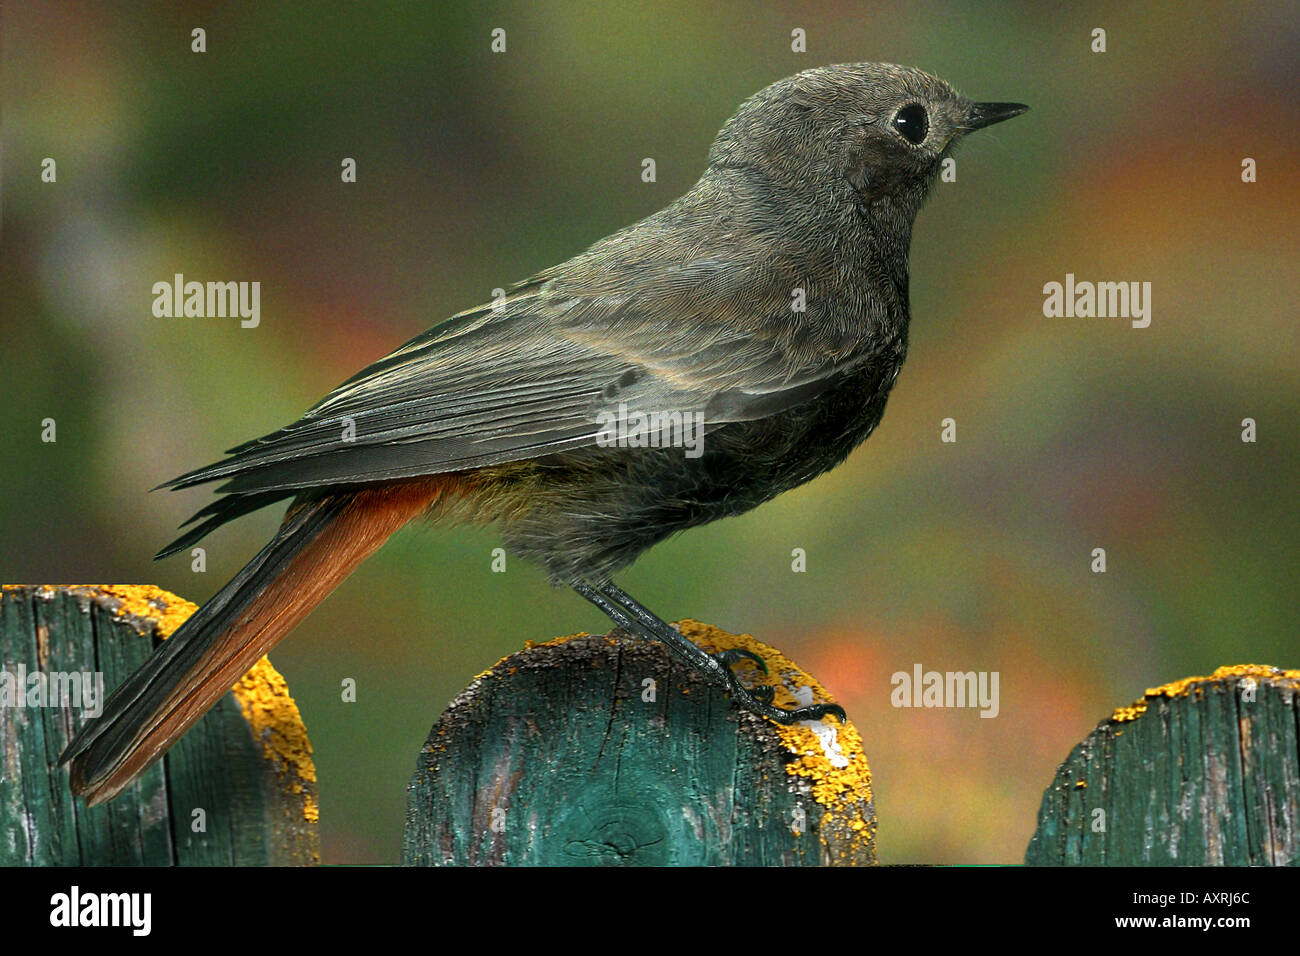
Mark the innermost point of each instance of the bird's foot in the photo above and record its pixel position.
(733, 654)
(759, 699)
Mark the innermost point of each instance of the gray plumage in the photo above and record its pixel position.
(689, 310)
(496, 414)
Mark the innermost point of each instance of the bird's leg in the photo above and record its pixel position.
(633, 617)
(667, 634)
(713, 666)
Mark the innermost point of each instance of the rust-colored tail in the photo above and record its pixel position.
(319, 544)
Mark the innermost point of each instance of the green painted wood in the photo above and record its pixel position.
(554, 758)
(217, 768)
(1205, 771)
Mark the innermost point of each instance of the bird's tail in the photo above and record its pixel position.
(319, 544)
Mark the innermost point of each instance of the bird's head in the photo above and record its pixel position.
(858, 133)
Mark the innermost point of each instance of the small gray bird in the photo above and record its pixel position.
(767, 307)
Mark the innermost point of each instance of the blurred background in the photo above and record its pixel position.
(476, 169)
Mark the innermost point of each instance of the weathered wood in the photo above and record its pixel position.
(604, 750)
(1205, 770)
(244, 772)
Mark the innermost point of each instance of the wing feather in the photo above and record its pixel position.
(531, 375)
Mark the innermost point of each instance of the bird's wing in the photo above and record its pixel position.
(531, 375)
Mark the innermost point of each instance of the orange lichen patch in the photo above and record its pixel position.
(1188, 685)
(262, 694)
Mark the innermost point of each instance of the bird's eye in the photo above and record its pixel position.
(912, 123)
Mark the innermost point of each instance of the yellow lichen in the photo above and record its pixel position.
(274, 719)
(140, 605)
(1188, 685)
(553, 642)
(164, 609)
(262, 694)
(842, 791)
(529, 645)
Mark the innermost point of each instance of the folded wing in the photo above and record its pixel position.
(529, 377)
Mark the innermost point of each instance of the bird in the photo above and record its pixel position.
(767, 307)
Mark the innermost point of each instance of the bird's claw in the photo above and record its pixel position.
(759, 699)
(818, 711)
(733, 654)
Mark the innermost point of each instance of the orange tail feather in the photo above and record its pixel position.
(319, 545)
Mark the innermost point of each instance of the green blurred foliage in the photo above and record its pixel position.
(476, 170)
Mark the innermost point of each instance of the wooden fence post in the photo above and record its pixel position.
(239, 788)
(604, 750)
(1205, 770)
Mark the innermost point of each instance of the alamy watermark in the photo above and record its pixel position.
(208, 300)
(75, 908)
(22, 688)
(632, 428)
(1103, 300)
(946, 689)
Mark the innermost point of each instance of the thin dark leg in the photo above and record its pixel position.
(654, 630)
(633, 617)
(670, 636)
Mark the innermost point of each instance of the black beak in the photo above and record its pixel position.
(986, 114)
